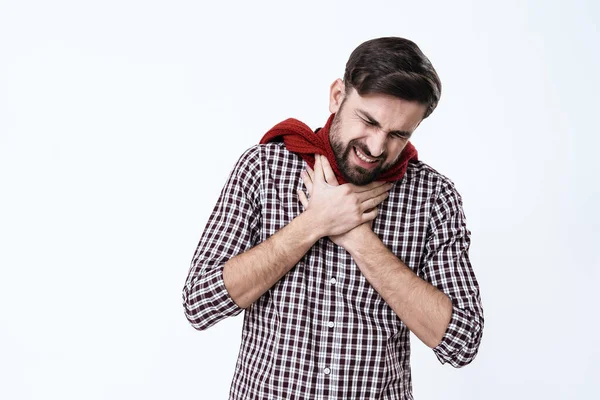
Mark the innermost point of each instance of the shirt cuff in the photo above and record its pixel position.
(460, 342)
(209, 301)
(218, 292)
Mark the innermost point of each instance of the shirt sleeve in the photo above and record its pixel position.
(233, 227)
(446, 265)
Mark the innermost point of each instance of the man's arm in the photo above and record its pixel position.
(424, 309)
(443, 309)
(332, 211)
(228, 274)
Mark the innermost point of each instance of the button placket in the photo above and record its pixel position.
(330, 324)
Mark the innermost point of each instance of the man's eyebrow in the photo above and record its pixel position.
(374, 122)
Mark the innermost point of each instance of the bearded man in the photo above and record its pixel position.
(338, 243)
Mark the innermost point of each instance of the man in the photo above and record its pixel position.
(340, 241)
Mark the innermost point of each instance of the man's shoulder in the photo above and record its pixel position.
(422, 174)
(269, 154)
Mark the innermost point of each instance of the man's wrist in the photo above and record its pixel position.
(351, 239)
(310, 225)
(359, 239)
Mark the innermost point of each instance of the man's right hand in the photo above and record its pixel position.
(332, 210)
(336, 209)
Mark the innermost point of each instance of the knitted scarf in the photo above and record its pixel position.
(299, 138)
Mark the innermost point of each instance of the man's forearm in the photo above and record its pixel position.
(424, 309)
(250, 274)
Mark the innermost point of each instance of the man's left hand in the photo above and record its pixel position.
(345, 240)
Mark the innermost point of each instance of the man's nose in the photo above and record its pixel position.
(376, 142)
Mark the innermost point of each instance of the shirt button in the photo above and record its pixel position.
(327, 371)
(332, 281)
(330, 324)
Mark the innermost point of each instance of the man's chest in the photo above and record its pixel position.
(402, 222)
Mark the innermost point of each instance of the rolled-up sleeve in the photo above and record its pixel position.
(446, 265)
(233, 227)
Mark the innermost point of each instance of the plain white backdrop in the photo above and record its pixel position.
(120, 121)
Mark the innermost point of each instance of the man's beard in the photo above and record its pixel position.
(354, 173)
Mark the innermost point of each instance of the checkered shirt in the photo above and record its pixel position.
(322, 331)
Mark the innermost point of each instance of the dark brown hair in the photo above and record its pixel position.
(393, 66)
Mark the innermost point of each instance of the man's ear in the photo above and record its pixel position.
(337, 91)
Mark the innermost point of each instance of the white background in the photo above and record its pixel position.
(120, 121)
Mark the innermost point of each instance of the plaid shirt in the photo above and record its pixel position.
(322, 331)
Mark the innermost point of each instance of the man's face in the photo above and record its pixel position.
(368, 133)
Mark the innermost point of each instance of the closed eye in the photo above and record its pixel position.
(400, 135)
(369, 123)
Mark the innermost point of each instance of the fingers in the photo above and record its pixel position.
(373, 202)
(370, 186)
(307, 180)
(302, 198)
(318, 172)
(369, 216)
(328, 172)
(310, 171)
(374, 192)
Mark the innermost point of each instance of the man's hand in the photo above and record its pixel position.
(341, 211)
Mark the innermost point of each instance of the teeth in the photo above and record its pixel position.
(362, 156)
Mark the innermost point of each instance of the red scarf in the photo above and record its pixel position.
(299, 138)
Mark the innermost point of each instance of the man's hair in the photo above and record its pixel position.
(396, 67)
